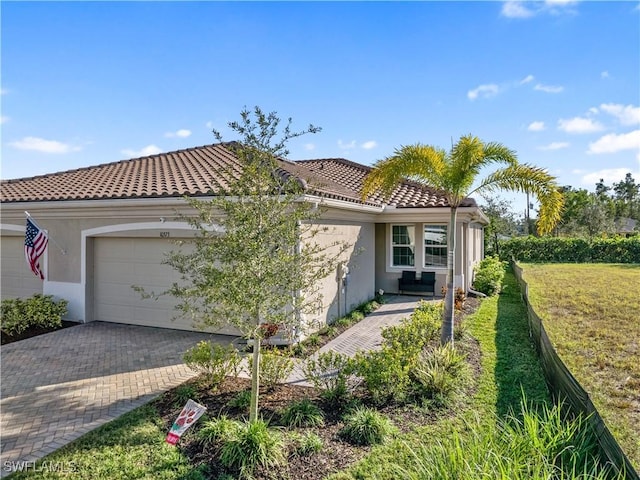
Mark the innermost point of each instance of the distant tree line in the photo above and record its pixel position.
(607, 211)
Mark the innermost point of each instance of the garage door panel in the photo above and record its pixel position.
(120, 263)
(17, 279)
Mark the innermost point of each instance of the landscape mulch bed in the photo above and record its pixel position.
(336, 454)
(33, 332)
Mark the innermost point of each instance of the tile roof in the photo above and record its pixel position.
(351, 175)
(201, 171)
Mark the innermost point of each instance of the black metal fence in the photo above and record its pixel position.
(564, 387)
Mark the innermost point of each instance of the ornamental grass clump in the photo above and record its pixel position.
(217, 430)
(303, 413)
(251, 446)
(440, 373)
(304, 444)
(366, 426)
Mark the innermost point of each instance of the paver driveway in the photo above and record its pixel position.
(58, 386)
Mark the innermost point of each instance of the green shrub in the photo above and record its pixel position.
(305, 444)
(366, 426)
(275, 366)
(356, 316)
(415, 332)
(241, 401)
(313, 340)
(39, 311)
(214, 361)
(329, 372)
(488, 275)
(385, 374)
(252, 445)
(572, 250)
(343, 322)
(303, 414)
(331, 331)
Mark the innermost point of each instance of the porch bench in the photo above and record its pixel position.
(425, 284)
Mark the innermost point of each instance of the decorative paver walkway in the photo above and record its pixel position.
(59, 386)
(365, 335)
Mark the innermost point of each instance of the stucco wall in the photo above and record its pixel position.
(339, 298)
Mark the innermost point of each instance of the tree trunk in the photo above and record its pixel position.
(448, 315)
(255, 380)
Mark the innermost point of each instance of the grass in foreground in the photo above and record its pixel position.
(130, 447)
(510, 368)
(592, 315)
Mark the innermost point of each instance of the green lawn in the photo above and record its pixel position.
(592, 315)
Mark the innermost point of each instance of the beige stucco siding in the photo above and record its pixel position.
(18, 281)
(339, 298)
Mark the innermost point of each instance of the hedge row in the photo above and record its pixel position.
(39, 311)
(572, 250)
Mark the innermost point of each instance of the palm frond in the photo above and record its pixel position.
(421, 163)
(468, 157)
(533, 180)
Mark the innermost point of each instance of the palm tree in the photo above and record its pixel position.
(454, 173)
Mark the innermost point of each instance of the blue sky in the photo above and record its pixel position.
(85, 83)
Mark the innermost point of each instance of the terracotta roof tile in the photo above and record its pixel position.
(351, 175)
(201, 171)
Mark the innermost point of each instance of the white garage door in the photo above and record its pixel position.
(17, 278)
(120, 263)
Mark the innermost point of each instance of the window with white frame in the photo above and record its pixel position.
(435, 245)
(403, 245)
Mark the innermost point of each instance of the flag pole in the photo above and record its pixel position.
(64, 252)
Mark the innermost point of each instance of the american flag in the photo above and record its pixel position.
(35, 243)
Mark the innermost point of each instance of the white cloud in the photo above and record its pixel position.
(626, 114)
(182, 133)
(209, 124)
(613, 142)
(369, 145)
(516, 9)
(548, 88)
(144, 152)
(44, 146)
(536, 126)
(309, 146)
(3, 119)
(604, 74)
(555, 146)
(579, 125)
(486, 91)
(608, 175)
(527, 79)
(3, 91)
(522, 9)
(346, 146)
